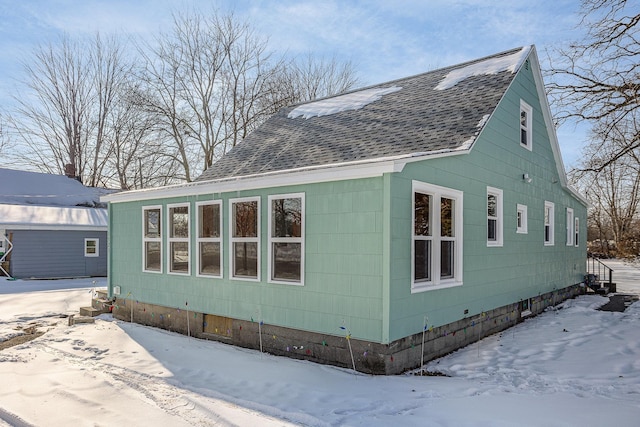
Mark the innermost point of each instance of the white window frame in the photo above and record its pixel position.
(437, 193)
(97, 247)
(233, 240)
(172, 239)
(498, 218)
(527, 126)
(521, 211)
(551, 224)
(200, 240)
(146, 239)
(300, 240)
(570, 227)
(577, 232)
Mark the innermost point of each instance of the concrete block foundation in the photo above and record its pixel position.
(369, 357)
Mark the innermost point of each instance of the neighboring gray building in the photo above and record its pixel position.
(51, 226)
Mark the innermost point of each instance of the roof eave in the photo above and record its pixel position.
(308, 175)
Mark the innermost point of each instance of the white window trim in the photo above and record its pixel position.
(233, 240)
(437, 193)
(577, 232)
(528, 126)
(89, 239)
(524, 228)
(151, 239)
(570, 227)
(551, 207)
(208, 239)
(300, 240)
(171, 240)
(499, 218)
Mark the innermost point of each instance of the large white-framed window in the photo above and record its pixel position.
(152, 239)
(436, 244)
(526, 125)
(209, 238)
(548, 223)
(570, 225)
(91, 247)
(286, 239)
(522, 226)
(577, 232)
(244, 214)
(178, 238)
(494, 217)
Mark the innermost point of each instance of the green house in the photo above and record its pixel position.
(376, 229)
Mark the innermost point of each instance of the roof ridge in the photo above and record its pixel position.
(400, 79)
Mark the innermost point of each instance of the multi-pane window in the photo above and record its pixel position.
(494, 217)
(245, 238)
(548, 223)
(570, 224)
(436, 237)
(521, 219)
(152, 239)
(178, 238)
(422, 236)
(91, 247)
(526, 134)
(286, 238)
(577, 232)
(209, 238)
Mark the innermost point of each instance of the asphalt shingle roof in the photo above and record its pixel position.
(418, 118)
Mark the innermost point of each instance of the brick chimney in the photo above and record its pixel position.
(70, 171)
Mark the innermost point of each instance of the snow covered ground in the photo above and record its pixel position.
(572, 366)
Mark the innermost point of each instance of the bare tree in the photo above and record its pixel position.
(66, 115)
(201, 81)
(212, 80)
(613, 190)
(597, 79)
(3, 134)
(52, 119)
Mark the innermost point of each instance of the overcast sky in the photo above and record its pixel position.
(385, 39)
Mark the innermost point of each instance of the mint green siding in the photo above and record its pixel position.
(523, 267)
(343, 263)
(357, 240)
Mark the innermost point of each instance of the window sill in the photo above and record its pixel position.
(179, 273)
(244, 279)
(429, 286)
(209, 276)
(284, 282)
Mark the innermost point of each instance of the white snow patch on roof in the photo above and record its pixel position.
(482, 121)
(52, 217)
(336, 104)
(489, 66)
(469, 142)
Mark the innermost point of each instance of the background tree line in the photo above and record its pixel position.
(596, 80)
(127, 114)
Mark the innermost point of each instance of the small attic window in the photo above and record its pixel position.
(526, 131)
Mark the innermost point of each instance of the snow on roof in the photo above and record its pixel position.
(32, 188)
(492, 65)
(52, 217)
(336, 104)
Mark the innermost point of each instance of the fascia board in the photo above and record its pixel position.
(551, 129)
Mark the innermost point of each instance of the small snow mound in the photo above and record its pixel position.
(489, 66)
(350, 101)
